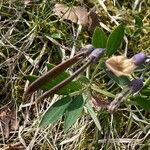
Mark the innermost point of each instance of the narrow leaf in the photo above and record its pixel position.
(122, 80)
(114, 40)
(137, 32)
(93, 115)
(138, 22)
(73, 111)
(99, 38)
(55, 111)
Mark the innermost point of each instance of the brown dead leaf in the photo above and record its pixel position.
(8, 120)
(64, 12)
(77, 14)
(82, 15)
(98, 102)
(5, 123)
(14, 122)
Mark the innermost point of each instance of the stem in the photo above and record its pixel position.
(119, 99)
(95, 71)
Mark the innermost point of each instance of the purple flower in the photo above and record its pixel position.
(139, 59)
(121, 65)
(97, 54)
(135, 85)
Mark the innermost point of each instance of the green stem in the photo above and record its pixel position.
(95, 71)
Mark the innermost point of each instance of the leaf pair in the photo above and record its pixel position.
(111, 43)
(71, 108)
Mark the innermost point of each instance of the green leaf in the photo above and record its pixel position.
(138, 22)
(55, 111)
(114, 40)
(122, 80)
(138, 27)
(69, 88)
(137, 33)
(99, 38)
(73, 111)
(93, 115)
(143, 101)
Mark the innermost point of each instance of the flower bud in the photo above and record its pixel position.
(135, 85)
(97, 54)
(139, 59)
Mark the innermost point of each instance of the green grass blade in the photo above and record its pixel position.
(138, 22)
(122, 80)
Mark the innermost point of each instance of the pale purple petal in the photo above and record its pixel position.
(97, 54)
(139, 59)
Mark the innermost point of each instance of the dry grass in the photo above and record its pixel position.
(31, 36)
